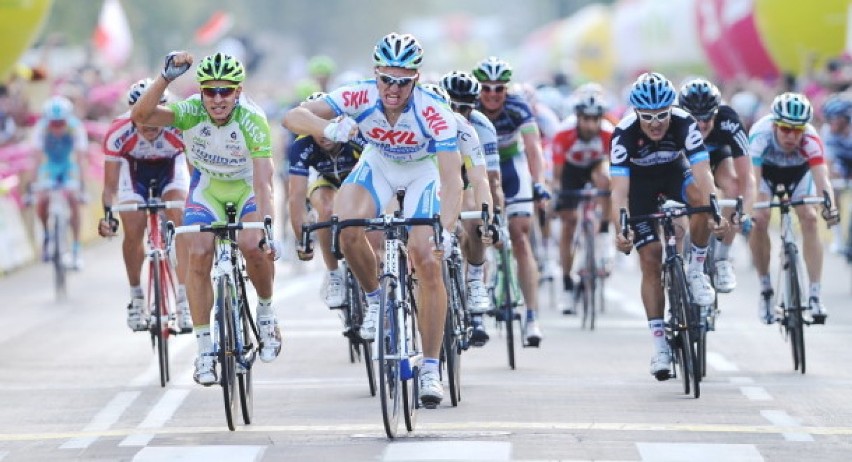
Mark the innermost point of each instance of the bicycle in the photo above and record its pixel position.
(505, 287)
(162, 294)
(352, 310)
(236, 341)
(458, 327)
(56, 231)
(397, 348)
(683, 327)
(788, 300)
(592, 275)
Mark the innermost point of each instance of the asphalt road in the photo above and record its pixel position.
(76, 384)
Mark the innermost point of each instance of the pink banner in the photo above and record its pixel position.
(730, 39)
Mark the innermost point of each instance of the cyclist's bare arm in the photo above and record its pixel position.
(148, 111)
(111, 173)
(298, 188)
(478, 178)
(822, 182)
(263, 172)
(308, 118)
(745, 177)
(449, 168)
(535, 158)
(496, 188)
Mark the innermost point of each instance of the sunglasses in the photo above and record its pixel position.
(462, 105)
(704, 117)
(391, 80)
(788, 128)
(659, 117)
(224, 92)
(493, 87)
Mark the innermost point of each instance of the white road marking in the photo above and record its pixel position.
(740, 380)
(720, 363)
(201, 454)
(103, 420)
(693, 452)
(159, 415)
(756, 393)
(448, 450)
(782, 419)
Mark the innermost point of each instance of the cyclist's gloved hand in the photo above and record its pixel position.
(540, 192)
(624, 244)
(745, 225)
(177, 62)
(832, 216)
(341, 129)
(445, 247)
(272, 248)
(302, 254)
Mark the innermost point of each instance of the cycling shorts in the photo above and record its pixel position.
(63, 176)
(574, 177)
(382, 177)
(517, 184)
(208, 196)
(795, 179)
(671, 182)
(135, 177)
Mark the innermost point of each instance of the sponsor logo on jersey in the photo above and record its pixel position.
(434, 119)
(729, 126)
(392, 137)
(205, 131)
(233, 135)
(354, 99)
(251, 129)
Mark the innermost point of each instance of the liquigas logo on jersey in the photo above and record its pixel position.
(252, 129)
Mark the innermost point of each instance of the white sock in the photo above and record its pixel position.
(264, 307)
(475, 272)
(429, 364)
(696, 259)
(765, 283)
(815, 289)
(202, 338)
(722, 251)
(375, 297)
(658, 330)
(136, 292)
(181, 293)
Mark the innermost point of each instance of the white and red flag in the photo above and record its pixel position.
(215, 28)
(113, 38)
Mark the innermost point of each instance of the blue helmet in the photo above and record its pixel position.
(792, 108)
(398, 50)
(652, 91)
(837, 106)
(57, 108)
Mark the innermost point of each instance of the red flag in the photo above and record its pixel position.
(112, 37)
(217, 26)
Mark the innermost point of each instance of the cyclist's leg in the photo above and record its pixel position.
(321, 196)
(696, 191)
(175, 188)
(727, 180)
(761, 248)
(571, 178)
(601, 180)
(421, 201)
(812, 251)
(517, 183)
(365, 192)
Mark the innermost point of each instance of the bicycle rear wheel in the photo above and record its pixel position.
(507, 310)
(794, 322)
(357, 304)
(683, 324)
(387, 346)
(451, 349)
(588, 279)
(244, 372)
(225, 336)
(160, 312)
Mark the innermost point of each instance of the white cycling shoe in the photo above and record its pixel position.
(270, 337)
(725, 279)
(205, 369)
(699, 285)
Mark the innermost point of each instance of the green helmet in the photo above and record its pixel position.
(321, 66)
(220, 67)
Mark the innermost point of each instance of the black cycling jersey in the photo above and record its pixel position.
(728, 137)
(304, 153)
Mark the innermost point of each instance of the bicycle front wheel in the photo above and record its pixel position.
(226, 348)
(388, 355)
(507, 310)
(793, 305)
(59, 267)
(244, 371)
(451, 348)
(681, 304)
(159, 313)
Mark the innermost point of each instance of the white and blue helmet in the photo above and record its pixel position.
(398, 50)
(792, 108)
(652, 91)
(57, 108)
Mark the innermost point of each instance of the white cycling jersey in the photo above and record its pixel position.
(425, 127)
(488, 138)
(469, 144)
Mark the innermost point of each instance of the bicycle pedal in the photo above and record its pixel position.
(818, 319)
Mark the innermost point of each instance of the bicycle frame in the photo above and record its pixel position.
(58, 222)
